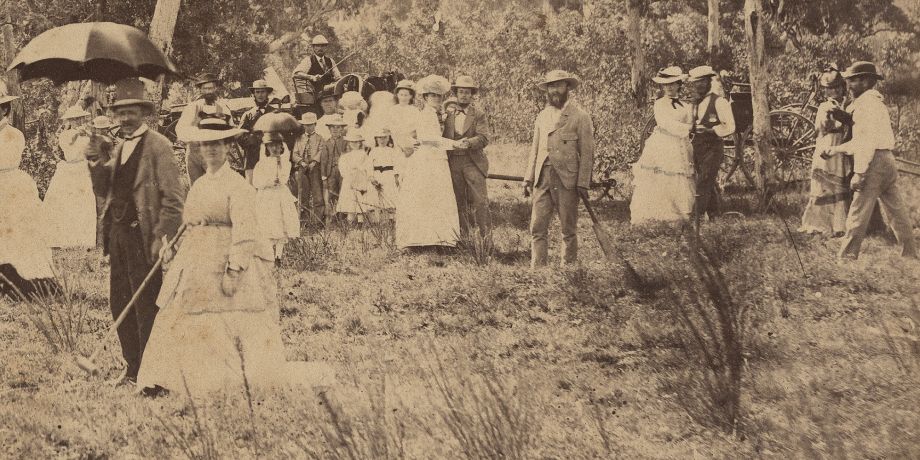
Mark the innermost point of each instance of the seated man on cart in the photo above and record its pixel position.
(318, 68)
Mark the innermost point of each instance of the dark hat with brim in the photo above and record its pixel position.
(130, 91)
(862, 68)
(206, 78)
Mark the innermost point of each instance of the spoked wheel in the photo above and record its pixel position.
(793, 141)
(734, 170)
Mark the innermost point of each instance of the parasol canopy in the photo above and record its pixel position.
(277, 122)
(101, 51)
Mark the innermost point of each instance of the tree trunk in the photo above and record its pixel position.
(161, 33)
(11, 79)
(715, 32)
(763, 158)
(634, 28)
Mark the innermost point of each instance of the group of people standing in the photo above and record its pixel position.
(853, 166)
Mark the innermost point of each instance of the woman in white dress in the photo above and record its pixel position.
(277, 208)
(25, 258)
(663, 177)
(219, 311)
(426, 210)
(70, 203)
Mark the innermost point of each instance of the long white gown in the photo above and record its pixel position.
(277, 209)
(70, 203)
(664, 188)
(24, 252)
(426, 210)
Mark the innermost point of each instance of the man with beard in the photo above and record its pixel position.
(251, 142)
(713, 120)
(468, 163)
(875, 172)
(317, 67)
(207, 106)
(559, 167)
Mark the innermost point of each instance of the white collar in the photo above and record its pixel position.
(137, 133)
(221, 171)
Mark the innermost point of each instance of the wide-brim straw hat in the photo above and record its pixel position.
(336, 120)
(353, 136)
(131, 91)
(319, 40)
(862, 68)
(466, 81)
(272, 136)
(308, 118)
(559, 75)
(74, 111)
(405, 84)
(433, 84)
(206, 77)
(701, 72)
(669, 75)
(5, 94)
(260, 84)
(382, 132)
(199, 135)
(103, 122)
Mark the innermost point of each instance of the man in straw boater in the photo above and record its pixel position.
(307, 177)
(469, 126)
(252, 142)
(875, 172)
(559, 166)
(143, 209)
(207, 106)
(317, 67)
(713, 120)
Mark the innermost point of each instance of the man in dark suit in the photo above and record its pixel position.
(468, 164)
(559, 166)
(143, 209)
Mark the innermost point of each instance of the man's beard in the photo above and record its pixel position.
(210, 98)
(558, 100)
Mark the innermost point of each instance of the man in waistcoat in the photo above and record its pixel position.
(468, 163)
(143, 210)
(208, 106)
(713, 120)
(307, 177)
(559, 167)
(317, 67)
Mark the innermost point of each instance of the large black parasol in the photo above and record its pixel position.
(102, 51)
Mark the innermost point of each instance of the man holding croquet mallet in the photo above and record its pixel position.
(142, 210)
(559, 167)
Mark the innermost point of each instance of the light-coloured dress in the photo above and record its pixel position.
(277, 206)
(828, 201)
(383, 161)
(70, 203)
(663, 183)
(23, 226)
(426, 210)
(403, 120)
(353, 168)
(203, 339)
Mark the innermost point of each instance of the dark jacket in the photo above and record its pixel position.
(476, 131)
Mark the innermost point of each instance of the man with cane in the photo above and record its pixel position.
(559, 166)
(142, 210)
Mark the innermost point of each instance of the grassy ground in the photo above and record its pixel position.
(438, 356)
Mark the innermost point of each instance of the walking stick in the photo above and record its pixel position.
(606, 243)
(89, 364)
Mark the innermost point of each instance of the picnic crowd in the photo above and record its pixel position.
(423, 169)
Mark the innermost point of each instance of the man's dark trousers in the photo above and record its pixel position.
(130, 266)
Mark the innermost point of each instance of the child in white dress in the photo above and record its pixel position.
(353, 166)
(276, 210)
(70, 204)
(384, 179)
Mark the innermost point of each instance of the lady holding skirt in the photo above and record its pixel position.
(663, 177)
(218, 327)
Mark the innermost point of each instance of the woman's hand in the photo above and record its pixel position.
(230, 282)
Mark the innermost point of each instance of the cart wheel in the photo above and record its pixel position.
(737, 167)
(793, 140)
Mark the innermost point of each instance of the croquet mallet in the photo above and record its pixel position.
(89, 364)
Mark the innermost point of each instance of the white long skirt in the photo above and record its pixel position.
(70, 206)
(426, 209)
(663, 180)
